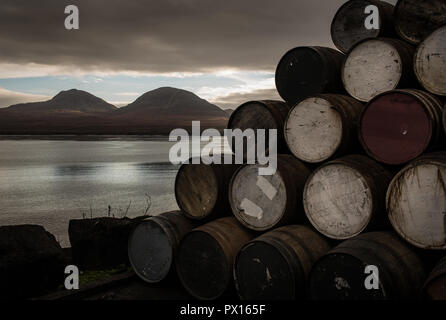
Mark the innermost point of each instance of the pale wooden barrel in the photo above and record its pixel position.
(415, 19)
(416, 202)
(375, 66)
(305, 71)
(323, 126)
(201, 190)
(153, 245)
(347, 28)
(206, 256)
(430, 62)
(340, 274)
(276, 265)
(265, 202)
(345, 197)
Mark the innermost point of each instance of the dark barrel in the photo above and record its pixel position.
(153, 244)
(201, 190)
(305, 71)
(430, 62)
(435, 286)
(276, 265)
(348, 28)
(262, 203)
(416, 202)
(340, 274)
(398, 126)
(374, 66)
(415, 19)
(206, 257)
(345, 197)
(266, 114)
(323, 126)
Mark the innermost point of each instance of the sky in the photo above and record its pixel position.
(225, 51)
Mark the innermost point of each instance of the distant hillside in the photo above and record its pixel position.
(79, 112)
(229, 111)
(67, 101)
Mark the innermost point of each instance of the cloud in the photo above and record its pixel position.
(232, 101)
(8, 98)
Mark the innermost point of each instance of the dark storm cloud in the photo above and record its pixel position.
(162, 35)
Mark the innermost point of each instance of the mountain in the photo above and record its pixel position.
(229, 111)
(173, 102)
(157, 112)
(67, 101)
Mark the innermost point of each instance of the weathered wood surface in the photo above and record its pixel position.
(266, 114)
(306, 71)
(346, 196)
(206, 257)
(398, 126)
(435, 286)
(416, 202)
(347, 28)
(264, 202)
(153, 244)
(201, 190)
(276, 265)
(430, 62)
(377, 65)
(340, 274)
(321, 127)
(31, 262)
(415, 19)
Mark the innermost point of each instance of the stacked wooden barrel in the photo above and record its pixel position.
(360, 167)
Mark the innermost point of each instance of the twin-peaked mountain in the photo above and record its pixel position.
(79, 112)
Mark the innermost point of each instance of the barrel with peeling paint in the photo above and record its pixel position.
(206, 256)
(430, 62)
(153, 244)
(346, 197)
(435, 286)
(201, 190)
(262, 203)
(347, 28)
(374, 66)
(415, 19)
(398, 126)
(322, 127)
(276, 265)
(341, 273)
(416, 202)
(255, 115)
(305, 71)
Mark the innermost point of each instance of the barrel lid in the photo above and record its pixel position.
(150, 251)
(395, 128)
(338, 201)
(261, 205)
(430, 62)
(262, 273)
(416, 203)
(314, 130)
(300, 73)
(202, 266)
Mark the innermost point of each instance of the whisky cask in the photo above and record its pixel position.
(322, 127)
(340, 274)
(206, 257)
(374, 66)
(305, 71)
(346, 197)
(416, 202)
(262, 203)
(415, 20)
(348, 25)
(398, 126)
(430, 62)
(153, 244)
(435, 286)
(276, 265)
